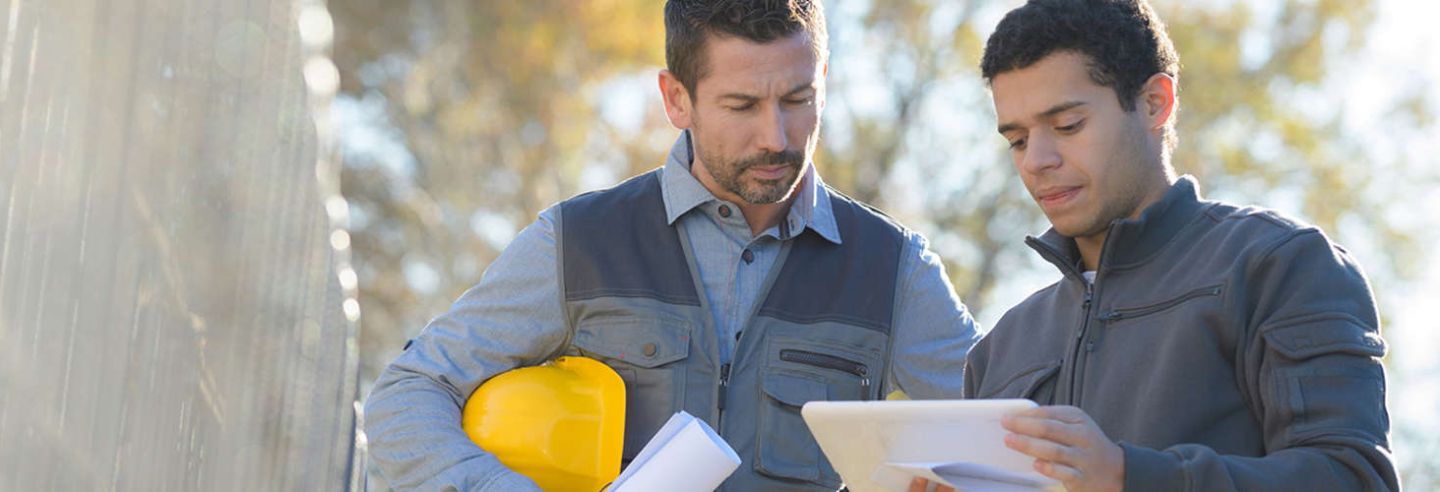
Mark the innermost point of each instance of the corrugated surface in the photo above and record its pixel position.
(170, 317)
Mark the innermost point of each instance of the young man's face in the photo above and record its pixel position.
(756, 116)
(1085, 160)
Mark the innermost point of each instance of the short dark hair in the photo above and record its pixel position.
(1124, 40)
(689, 23)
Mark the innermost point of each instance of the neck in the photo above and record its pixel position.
(1090, 249)
(1093, 245)
(760, 216)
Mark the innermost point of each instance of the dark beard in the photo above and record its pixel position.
(765, 191)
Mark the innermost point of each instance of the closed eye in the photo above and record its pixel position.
(1071, 128)
(1017, 144)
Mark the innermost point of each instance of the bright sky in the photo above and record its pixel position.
(1405, 38)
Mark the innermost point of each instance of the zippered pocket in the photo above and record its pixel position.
(1136, 312)
(827, 361)
(801, 369)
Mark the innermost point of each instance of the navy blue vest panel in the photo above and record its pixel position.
(821, 333)
(635, 259)
(869, 257)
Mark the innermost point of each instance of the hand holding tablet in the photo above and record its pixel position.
(882, 445)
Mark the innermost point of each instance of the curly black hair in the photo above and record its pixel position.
(1125, 41)
(688, 23)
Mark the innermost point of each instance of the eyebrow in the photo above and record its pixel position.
(1054, 110)
(747, 97)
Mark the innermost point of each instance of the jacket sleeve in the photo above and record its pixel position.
(511, 318)
(933, 330)
(1311, 370)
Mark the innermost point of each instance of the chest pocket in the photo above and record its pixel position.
(797, 372)
(648, 354)
(1175, 305)
(1036, 383)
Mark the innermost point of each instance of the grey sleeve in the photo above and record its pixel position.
(1313, 375)
(512, 318)
(933, 330)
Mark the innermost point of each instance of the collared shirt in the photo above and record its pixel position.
(734, 264)
(515, 317)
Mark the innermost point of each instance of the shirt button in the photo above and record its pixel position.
(725, 211)
(748, 256)
(649, 350)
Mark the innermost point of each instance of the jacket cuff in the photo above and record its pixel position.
(1148, 469)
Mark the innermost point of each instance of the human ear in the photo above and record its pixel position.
(1159, 98)
(678, 105)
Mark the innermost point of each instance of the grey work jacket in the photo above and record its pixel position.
(822, 331)
(1224, 348)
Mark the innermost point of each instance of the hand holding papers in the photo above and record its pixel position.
(685, 454)
(881, 445)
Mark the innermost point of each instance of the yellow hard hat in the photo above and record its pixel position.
(562, 424)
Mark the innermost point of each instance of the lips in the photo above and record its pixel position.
(1057, 195)
(770, 172)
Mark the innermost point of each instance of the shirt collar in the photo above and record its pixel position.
(682, 193)
(1132, 241)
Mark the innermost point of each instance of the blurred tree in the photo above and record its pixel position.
(1255, 123)
(502, 108)
(493, 102)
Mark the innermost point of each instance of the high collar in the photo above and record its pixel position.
(810, 207)
(1129, 241)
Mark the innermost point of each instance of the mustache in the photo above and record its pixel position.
(791, 158)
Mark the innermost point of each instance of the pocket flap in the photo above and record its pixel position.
(794, 390)
(1314, 337)
(1026, 382)
(638, 341)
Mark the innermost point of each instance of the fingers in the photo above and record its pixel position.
(1040, 448)
(1045, 427)
(918, 485)
(1067, 446)
(1067, 414)
(1063, 473)
(1063, 413)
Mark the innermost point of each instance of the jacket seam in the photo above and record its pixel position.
(1169, 242)
(589, 294)
(559, 232)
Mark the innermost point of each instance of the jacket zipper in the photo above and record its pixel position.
(1083, 346)
(831, 362)
(1118, 314)
(724, 385)
(1080, 341)
(1075, 352)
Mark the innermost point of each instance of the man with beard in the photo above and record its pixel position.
(731, 283)
(1189, 344)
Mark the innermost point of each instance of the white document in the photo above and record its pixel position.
(881, 445)
(685, 454)
(966, 477)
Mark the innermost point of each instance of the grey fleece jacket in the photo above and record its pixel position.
(1224, 348)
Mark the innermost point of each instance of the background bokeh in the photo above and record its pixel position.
(459, 121)
(177, 303)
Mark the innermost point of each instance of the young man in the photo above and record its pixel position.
(731, 283)
(1189, 344)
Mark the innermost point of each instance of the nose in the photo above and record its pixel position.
(1040, 154)
(771, 138)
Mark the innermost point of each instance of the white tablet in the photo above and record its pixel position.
(879, 445)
